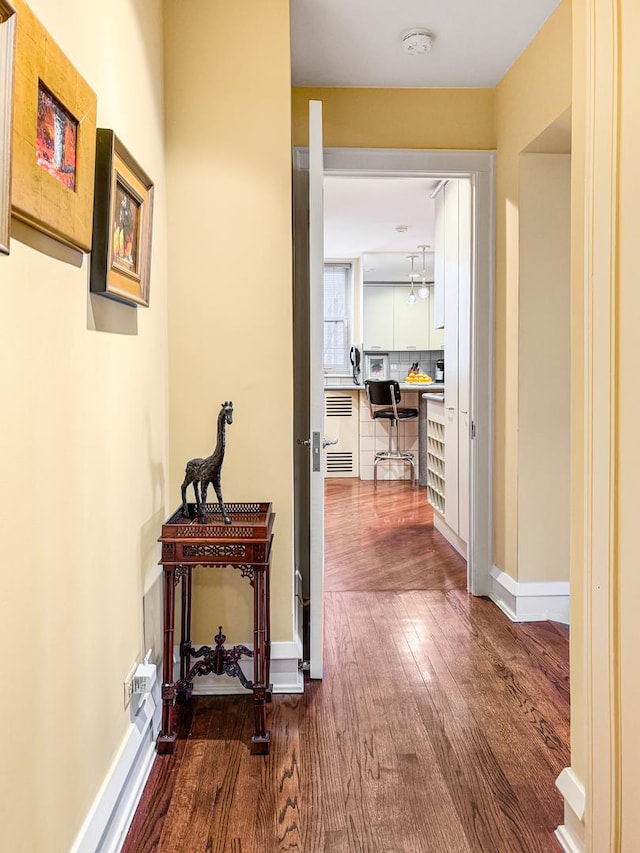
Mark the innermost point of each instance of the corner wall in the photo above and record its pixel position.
(83, 464)
(228, 138)
(531, 96)
(544, 382)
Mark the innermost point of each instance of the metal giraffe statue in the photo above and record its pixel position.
(202, 472)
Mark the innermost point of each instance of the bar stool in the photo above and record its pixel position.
(383, 396)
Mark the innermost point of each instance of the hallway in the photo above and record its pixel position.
(440, 727)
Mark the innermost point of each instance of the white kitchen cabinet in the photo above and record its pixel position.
(438, 262)
(342, 421)
(378, 317)
(391, 323)
(453, 266)
(436, 461)
(436, 335)
(410, 322)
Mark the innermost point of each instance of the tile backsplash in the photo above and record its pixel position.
(399, 364)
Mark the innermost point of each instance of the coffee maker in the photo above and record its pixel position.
(440, 370)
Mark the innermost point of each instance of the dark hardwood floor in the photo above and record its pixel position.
(439, 727)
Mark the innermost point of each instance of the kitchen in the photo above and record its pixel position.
(397, 258)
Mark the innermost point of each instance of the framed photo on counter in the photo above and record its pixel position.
(376, 366)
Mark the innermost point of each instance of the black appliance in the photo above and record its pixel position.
(439, 370)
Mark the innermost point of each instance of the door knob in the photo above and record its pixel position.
(305, 442)
(327, 442)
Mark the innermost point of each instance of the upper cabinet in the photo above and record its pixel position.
(391, 323)
(378, 317)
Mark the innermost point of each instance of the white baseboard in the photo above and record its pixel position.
(529, 602)
(110, 816)
(285, 675)
(452, 538)
(571, 835)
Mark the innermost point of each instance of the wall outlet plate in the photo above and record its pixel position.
(128, 685)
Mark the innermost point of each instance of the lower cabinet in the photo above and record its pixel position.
(342, 421)
(448, 473)
(435, 456)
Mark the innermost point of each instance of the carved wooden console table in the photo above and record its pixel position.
(244, 544)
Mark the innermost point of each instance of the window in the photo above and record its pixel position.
(337, 317)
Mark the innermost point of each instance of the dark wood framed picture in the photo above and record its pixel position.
(7, 57)
(54, 137)
(122, 224)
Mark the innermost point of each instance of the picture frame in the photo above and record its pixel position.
(7, 60)
(54, 137)
(376, 365)
(122, 224)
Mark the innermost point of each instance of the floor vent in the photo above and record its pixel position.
(339, 407)
(339, 462)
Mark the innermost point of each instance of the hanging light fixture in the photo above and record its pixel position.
(423, 290)
(411, 298)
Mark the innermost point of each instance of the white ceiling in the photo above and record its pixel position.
(358, 42)
(361, 216)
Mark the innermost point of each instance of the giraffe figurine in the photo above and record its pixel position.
(202, 472)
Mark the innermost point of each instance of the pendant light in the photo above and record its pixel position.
(411, 298)
(423, 290)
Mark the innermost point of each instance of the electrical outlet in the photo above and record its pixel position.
(128, 685)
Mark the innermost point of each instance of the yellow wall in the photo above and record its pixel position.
(626, 467)
(530, 98)
(228, 139)
(83, 467)
(544, 351)
(398, 118)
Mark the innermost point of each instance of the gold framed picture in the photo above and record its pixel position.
(7, 57)
(54, 137)
(122, 224)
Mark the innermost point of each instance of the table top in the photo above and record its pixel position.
(249, 522)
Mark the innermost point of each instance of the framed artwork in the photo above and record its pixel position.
(376, 366)
(54, 137)
(122, 223)
(7, 57)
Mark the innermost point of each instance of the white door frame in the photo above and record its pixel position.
(479, 166)
(316, 390)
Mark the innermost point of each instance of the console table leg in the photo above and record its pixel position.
(184, 695)
(167, 737)
(261, 739)
(267, 632)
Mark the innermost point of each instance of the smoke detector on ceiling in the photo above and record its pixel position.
(416, 42)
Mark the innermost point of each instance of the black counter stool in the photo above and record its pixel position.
(383, 396)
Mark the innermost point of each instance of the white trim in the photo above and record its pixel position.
(571, 834)
(573, 791)
(452, 538)
(529, 602)
(480, 166)
(286, 676)
(107, 823)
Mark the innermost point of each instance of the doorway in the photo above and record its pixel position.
(478, 168)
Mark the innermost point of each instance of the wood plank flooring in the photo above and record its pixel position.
(439, 727)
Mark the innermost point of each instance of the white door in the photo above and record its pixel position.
(316, 385)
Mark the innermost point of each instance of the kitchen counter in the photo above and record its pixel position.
(426, 387)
